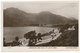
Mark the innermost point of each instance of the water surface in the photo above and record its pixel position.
(11, 32)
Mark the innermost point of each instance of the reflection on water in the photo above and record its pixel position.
(11, 32)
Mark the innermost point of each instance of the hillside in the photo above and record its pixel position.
(16, 17)
(68, 38)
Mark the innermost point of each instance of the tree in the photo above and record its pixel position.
(16, 38)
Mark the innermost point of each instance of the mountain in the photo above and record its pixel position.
(16, 17)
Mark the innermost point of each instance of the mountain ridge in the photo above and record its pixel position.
(16, 17)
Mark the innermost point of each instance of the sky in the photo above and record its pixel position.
(67, 9)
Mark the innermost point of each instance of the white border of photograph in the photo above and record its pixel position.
(24, 49)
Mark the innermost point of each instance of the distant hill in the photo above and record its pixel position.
(15, 17)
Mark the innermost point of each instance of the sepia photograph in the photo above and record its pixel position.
(40, 24)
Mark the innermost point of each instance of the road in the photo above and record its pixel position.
(45, 39)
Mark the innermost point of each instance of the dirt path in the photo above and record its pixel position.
(45, 39)
(48, 39)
